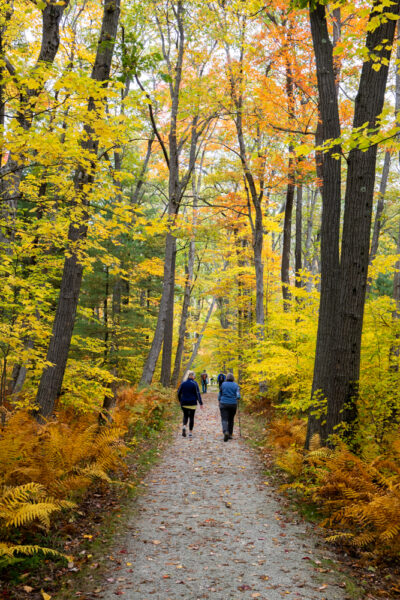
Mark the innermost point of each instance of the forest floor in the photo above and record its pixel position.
(210, 525)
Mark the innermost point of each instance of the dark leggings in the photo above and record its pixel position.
(188, 415)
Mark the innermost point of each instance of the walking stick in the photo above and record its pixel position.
(240, 428)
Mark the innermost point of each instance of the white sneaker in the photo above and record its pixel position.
(190, 434)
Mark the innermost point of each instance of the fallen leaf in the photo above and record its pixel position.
(156, 542)
(44, 595)
(27, 589)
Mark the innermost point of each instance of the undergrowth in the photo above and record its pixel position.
(49, 468)
(359, 496)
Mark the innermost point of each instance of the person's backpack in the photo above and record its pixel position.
(221, 379)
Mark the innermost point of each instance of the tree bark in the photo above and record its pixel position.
(360, 182)
(198, 341)
(379, 207)
(394, 352)
(287, 226)
(299, 235)
(330, 168)
(57, 354)
(287, 234)
(338, 372)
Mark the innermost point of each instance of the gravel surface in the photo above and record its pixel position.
(209, 526)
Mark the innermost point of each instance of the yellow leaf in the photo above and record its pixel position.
(44, 595)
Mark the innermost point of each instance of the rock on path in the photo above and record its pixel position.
(208, 526)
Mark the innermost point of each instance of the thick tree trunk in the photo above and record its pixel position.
(330, 222)
(342, 405)
(340, 376)
(57, 354)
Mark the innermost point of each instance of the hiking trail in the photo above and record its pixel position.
(209, 526)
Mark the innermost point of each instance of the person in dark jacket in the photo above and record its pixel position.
(220, 379)
(228, 398)
(189, 395)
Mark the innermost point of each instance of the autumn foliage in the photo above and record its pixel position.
(358, 496)
(52, 467)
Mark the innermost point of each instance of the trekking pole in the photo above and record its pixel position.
(240, 428)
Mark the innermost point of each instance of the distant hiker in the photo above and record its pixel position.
(189, 395)
(228, 398)
(204, 381)
(220, 379)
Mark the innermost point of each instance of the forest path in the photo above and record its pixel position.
(208, 526)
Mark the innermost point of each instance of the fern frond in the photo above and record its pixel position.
(10, 550)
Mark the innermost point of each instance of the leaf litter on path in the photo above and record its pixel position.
(209, 526)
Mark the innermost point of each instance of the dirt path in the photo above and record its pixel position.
(209, 526)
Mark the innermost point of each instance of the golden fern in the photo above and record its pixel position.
(11, 550)
(28, 503)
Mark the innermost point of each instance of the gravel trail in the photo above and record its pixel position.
(209, 526)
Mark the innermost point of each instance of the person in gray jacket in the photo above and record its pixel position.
(228, 398)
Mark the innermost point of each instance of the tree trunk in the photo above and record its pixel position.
(11, 172)
(287, 226)
(299, 235)
(196, 185)
(57, 354)
(198, 341)
(287, 234)
(395, 348)
(339, 375)
(342, 405)
(330, 168)
(379, 208)
(166, 361)
(184, 314)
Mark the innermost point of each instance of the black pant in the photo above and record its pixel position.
(188, 415)
(228, 412)
(204, 386)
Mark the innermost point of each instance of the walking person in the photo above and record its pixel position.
(228, 398)
(220, 379)
(189, 395)
(204, 381)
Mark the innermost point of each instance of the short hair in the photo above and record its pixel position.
(191, 374)
(230, 377)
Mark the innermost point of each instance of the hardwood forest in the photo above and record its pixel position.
(199, 185)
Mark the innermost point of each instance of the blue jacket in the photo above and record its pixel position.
(189, 393)
(229, 393)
